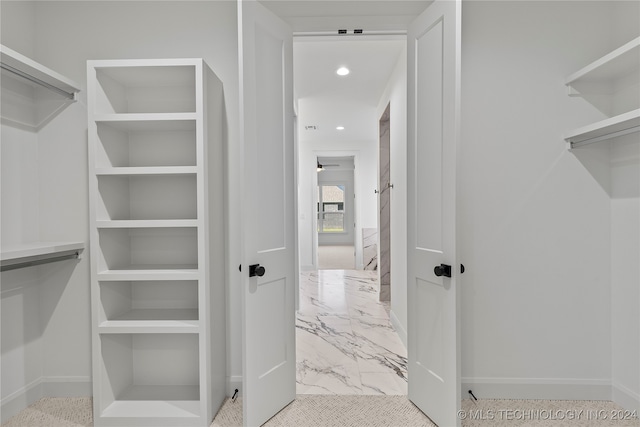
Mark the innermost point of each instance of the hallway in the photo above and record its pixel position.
(345, 341)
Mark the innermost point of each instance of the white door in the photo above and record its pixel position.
(433, 131)
(266, 86)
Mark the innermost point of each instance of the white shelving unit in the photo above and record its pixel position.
(32, 94)
(612, 84)
(156, 184)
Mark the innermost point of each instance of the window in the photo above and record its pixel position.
(331, 208)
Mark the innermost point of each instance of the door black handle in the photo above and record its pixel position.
(442, 270)
(256, 270)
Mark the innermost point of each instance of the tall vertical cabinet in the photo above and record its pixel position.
(157, 241)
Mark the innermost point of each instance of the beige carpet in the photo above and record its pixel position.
(334, 411)
(336, 258)
(365, 411)
(55, 412)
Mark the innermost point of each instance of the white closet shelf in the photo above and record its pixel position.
(29, 254)
(32, 94)
(147, 223)
(146, 321)
(153, 314)
(188, 272)
(134, 403)
(152, 75)
(149, 121)
(606, 129)
(148, 170)
(622, 62)
(149, 327)
(38, 73)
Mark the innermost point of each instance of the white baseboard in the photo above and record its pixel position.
(20, 399)
(44, 387)
(307, 268)
(626, 398)
(537, 388)
(400, 330)
(66, 386)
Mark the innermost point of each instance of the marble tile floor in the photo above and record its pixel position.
(345, 342)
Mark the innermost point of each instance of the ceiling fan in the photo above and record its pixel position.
(321, 167)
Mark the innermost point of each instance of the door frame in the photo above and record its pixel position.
(348, 228)
(322, 153)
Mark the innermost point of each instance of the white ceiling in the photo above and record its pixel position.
(370, 63)
(331, 15)
(324, 99)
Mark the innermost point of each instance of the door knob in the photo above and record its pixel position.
(442, 270)
(256, 270)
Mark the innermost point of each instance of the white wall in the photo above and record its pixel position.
(18, 26)
(535, 224)
(21, 332)
(625, 239)
(395, 95)
(625, 270)
(65, 35)
(19, 155)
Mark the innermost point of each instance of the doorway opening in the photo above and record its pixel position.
(335, 213)
(346, 342)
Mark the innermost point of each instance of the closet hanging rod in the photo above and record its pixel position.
(9, 68)
(24, 264)
(605, 137)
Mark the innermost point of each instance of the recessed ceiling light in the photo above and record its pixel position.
(342, 71)
(340, 127)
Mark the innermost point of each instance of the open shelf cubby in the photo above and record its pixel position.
(140, 143)
(146, 197)
(147, 248)
(164, 305)
(150, 376)
(145, 89)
